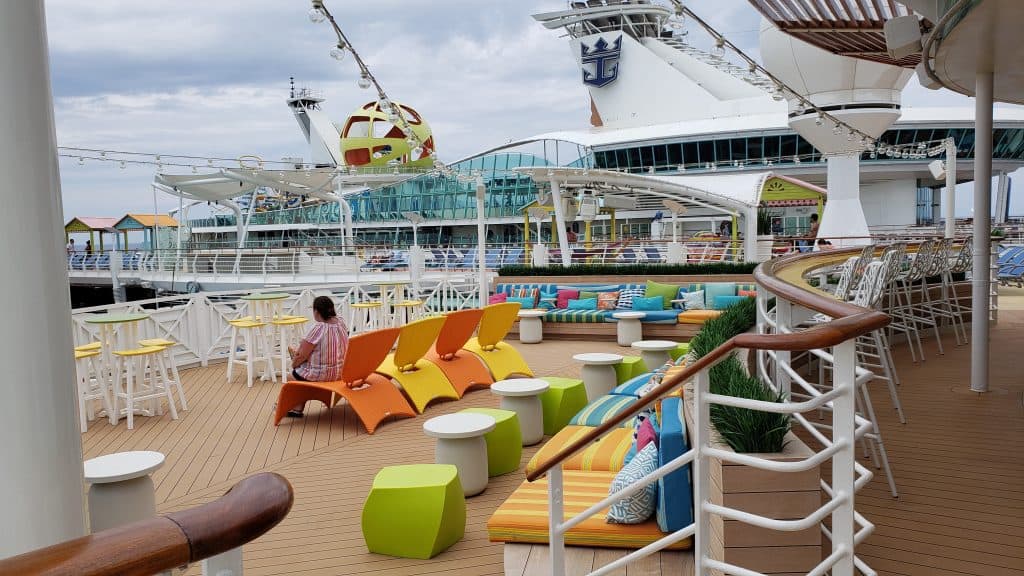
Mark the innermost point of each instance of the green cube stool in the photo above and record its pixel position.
(504, 443)
(629, 368)
(680, 350)
(414, 511)
(561, 402)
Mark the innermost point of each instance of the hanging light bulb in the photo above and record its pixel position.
(157, 157)
(411, 142)
(796, 159)
(103, 154)
(364, 81)
(195, 170)
(338, 52)
(316, 14)
(392, 116)
(819, 120)
(209, 162)
(417, 152)
(849, 136)
(81, 161)
(837, 129)
(718, 51)
(123, 165)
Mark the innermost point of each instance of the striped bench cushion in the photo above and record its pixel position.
(698, 316)
(601, 410)
(523, 517)
(576, 316)
(606, 455)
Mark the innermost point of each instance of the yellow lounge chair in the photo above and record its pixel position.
(422, 380)
(501, 358)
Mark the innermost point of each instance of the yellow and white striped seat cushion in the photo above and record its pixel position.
(523, 517)
(606, 455)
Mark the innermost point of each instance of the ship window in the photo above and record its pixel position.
(754, 149)
(723, 150)
(771, 147)
(646, 156)
(660, 156)
(690, 155)
(706, 151)
(675, 154)
(634, 159)
(788, 147)
(358, 127)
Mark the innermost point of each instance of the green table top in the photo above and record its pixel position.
(265, 296)
(115, 318)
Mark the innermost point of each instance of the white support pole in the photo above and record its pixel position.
(563, 236)
(980, 281)
(750, 235)
(556, 514)
(701, 473)
(844, 409)
(42, 448)
(949, 202)
(481, 239)
(783, 325)
(843, 221)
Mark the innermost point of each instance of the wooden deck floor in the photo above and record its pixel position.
(958, 463)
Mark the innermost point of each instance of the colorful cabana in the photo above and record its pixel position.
(92, 226)
(147, 223)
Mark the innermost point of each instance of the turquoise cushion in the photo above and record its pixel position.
(713, 289)
(648, 304)
(722, 302)
(524, 302)
(583, 304)
(603, 409)
(675, 494)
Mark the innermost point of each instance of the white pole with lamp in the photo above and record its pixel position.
(481, 238)
(676, 251)
(540, 251)
(415, 252)
(947, 169)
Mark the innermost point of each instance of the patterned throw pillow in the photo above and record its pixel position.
(626, 297)
(497, 298)
(638, 507)
(533, 293)
(563, 297)
(607, 300)
(747, 293)
(694, 300)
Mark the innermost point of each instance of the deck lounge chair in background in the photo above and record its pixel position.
(422, 380)
(501, 358)
(652, 254)
(463, 368)
(493, 259)
(373, 400)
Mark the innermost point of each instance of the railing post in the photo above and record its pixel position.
(783, 325)
(227, 564)
(843, 473)
(701, 472)
(555, 518)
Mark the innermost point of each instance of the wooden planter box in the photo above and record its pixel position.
(779, 495)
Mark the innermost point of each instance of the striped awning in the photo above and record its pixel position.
(786, 203)
(846, 27)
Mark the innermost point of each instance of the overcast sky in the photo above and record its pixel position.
(210, 78)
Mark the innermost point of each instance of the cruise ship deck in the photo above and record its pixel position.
(957, 463)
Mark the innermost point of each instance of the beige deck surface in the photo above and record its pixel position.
(958, 462)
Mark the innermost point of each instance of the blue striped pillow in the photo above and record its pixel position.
(603, 409)
(626, 298)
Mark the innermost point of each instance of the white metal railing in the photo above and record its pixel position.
(200, 322)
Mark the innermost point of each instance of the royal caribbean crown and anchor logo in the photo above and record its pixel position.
(601, 61)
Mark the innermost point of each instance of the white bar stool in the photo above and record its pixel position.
(169, 359)
(285, 325)
(133, 365)
(366, 316)
(255, 349)
(407, 311)
(92, 385)
(120, 489)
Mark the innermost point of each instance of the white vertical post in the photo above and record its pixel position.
(42, 450)
(844, 215)
(949, 202)
(783, 323)
(750, 236)
(701, 473)
(980, 281)
(481, 239)
(563, 237)
(226, 564)
(843, 473)
(556, 516)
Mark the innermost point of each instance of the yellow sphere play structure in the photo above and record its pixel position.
(373, 136)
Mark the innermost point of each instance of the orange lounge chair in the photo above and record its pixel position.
(421, 379)
(501, 358)
(373, 400)
(463, 368)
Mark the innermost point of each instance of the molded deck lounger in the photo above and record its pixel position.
(463, 368)
(375, 399)
(501, 358)
(422, 380)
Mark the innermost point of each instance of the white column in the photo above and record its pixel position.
(843, 474)
(980, 282)
(844, 215)
(41, 449)
(750, 235)
(563, 237)
(481, 241)
(949, 201)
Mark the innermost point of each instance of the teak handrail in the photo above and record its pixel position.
(245, 512)
(850, 322)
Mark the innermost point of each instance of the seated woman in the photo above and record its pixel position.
(322, 352)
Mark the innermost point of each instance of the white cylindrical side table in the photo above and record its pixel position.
(522, 396)
(629, 327)
(655, 353)
(460, 442)
(121, 490)
(598, 373)
(531, 327)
